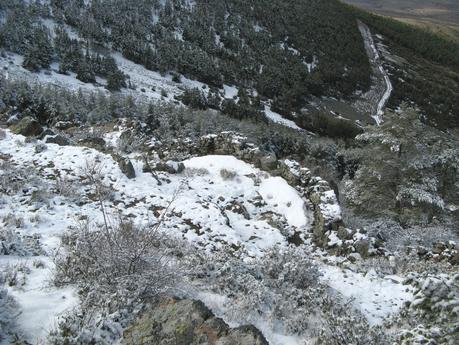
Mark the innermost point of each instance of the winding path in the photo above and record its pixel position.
(375, 60)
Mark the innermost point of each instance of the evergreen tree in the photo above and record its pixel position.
(39, 52)
(85, 72)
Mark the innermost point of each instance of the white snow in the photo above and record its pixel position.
(285, 200)
(40, 302)
(366, 33)
(375, 297)
(230, 91)
(202, 199)
(277, 118)
(205, 212)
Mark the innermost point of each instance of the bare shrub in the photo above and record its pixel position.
(228, 174)
(15, 274)
(64, 187)
(13, 220)
(11, 242)
(191, 172)
(123, 259)
(9, 311)
(130, 141)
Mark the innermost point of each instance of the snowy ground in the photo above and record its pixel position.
(374, 296)
(220, 200)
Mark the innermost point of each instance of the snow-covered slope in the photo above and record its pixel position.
(216, 200)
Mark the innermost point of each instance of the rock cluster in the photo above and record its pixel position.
(317, 193)
(182, 321)
(441, 251)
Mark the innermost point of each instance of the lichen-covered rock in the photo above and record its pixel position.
(174, 321)
(28, 127)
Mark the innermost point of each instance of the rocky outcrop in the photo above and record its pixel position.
(441, 251)
(317, 193)
(174, 321)
(28, 127)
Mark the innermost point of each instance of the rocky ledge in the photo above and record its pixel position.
(173, 321)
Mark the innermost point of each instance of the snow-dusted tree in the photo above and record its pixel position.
(39, 51)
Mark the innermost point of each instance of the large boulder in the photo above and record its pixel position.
(268, 161)
(174, 321)
(126, 166)
(57, 139)
(93, 142)
(28, 127)
(362, 247)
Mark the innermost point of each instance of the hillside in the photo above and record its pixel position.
(226, 172)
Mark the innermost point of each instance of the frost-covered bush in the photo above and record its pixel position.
(281, 290)
(65, 187)
(130, 141)
(15, 274)
(191, 172)
(406, 170)
(117, 270)
(122, 259)
(433, 316)
(9, 311)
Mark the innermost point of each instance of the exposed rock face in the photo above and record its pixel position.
(126, 166)
(238, 208)
(317, 193)
(362, 247)
(187, 322)
(441, 251)
(27, 127)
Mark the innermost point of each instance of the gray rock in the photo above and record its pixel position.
(63, 125)
(40, 148)
(28, 127)
(353, 257)
(46, 132)
(186, 322)
(344, 233)
(92, 142)
(170, 167)
(362, 247)
(126, 167)
(57, 139)
(268, 162)
(237, 207)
